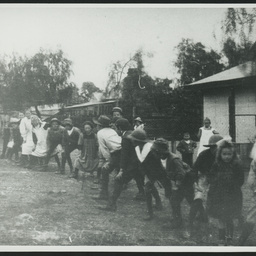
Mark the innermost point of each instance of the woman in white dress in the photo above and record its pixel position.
(204, 135)
(26, 133)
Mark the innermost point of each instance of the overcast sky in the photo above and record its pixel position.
(94, 37)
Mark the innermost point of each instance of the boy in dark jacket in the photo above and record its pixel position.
(71, 141)
(179, 175)
(186, 148)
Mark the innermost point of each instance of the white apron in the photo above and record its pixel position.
(26, 133)
(204, 140)
(41, 145)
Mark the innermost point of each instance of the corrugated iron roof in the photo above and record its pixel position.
(89, 104)
(247, 69)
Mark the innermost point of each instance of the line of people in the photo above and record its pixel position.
(211, 186)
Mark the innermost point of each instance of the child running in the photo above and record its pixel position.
(225, 196)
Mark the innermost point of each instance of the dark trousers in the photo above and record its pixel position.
(188, 159)
(49, 155)
(151, 191)
(127, 177)
(14, 151)
(66, 157)
(114, 163)
(5, 142)
(185, 191)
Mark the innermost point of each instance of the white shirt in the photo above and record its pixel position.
(70, 131)
(164, 162)
(109, 141)
(142, 154)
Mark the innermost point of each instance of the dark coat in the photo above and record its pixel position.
(129, 160)
(54, 138)
(203, 163)
(178, 171)
(185, 148)
(225, 195)
(71, 141)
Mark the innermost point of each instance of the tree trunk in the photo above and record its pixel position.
(37, 112)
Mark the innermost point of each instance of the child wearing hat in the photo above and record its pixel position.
(88, 159)
(138, 124)
(201, 169)
(180, 176)
(109, 153)
(186, 148)
(152, 170)
(71, 141)
(55, 142)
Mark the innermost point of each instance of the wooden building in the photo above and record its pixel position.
(229, 100)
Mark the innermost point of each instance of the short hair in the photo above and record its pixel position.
(88, 123)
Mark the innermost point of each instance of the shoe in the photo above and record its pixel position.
(100, 198)
(140, 197)
(150, 217)
(175, 224)
(158, 206)
(73, 176)
(108, 208)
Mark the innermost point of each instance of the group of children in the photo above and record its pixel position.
(211, 185)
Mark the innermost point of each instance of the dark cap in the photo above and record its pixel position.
(68, 121)
(54, 120)
(138, 119)
(103, 121)
(138, 135)
(213, 140)
(160, 145)
(123, 123)
(117, 109)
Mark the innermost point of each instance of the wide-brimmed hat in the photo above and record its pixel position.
(138, 135)
(160, 145)
(117, 109)
(68, 121)
(138, 119)
(103, 121)
(55, 120)
(213, 140)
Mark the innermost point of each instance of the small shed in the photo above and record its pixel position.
(229, 100)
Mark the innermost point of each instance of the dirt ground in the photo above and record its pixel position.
(42, 208)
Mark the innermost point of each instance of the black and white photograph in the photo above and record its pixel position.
(128, 127)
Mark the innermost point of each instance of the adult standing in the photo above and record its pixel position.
(109, 152)
(204, 134)
(129, 166)
(26, 133)
(138, 123)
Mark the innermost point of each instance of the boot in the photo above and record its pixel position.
(104, 186)
(149, 205)
(111, 206)
(75, 174)
(155, 194)
(31, 162)
(246, 231)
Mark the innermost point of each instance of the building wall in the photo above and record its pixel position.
(216, 108)
(245, 109)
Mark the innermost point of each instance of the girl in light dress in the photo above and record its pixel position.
(204, 134)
